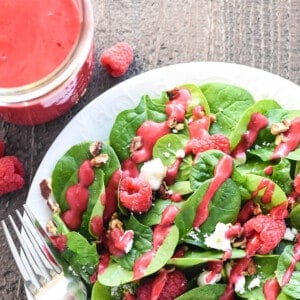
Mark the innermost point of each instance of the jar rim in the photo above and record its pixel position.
(69, 67)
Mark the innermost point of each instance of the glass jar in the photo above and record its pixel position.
(54, 94)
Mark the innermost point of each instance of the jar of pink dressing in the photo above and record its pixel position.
(46, 58)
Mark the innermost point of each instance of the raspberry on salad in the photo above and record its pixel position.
(263, 234)
(117, 59)
(11, 174)
(166, 286)
(135, 194)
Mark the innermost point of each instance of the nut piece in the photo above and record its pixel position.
(95, 148)
(280, 138)
(45, 189)
(51, 228)
(136, 144)
(99, 160)
(278, 128)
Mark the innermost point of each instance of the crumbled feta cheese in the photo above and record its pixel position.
(193, 235)
(255, 282)
(290, 234)
(239, 286)
(218, 240)
(167, 154)
(180, 153)
(153, 172)
(205, 275)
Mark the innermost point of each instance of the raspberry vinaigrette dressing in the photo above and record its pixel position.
(41, 36)
(46, 57)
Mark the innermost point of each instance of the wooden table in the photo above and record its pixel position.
(258, 33)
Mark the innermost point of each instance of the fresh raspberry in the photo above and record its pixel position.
(297, 184)
(263, 234)
(11, 174)
(166, 286)
(135, 194)
(117, 59)
(59, 242)
(216, 141)
(2, 148)
(119, 242)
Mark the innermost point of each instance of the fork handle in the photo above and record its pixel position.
(63, 288)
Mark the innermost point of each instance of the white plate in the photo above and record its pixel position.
(95, 120)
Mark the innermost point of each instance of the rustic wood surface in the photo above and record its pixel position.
(260, 33)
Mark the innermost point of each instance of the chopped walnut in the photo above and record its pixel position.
(99, 160)
(54, 207)
(51, 228)
(278, 128)
(172, 93)
(239, 242)
(257, 210)
(115, 222)
(179, 126)
(172, 123)
(280, 138)
(213, 118)
(95, 148)
(45, 189)
(136, 144)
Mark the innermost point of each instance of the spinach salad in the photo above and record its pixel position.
(194, 196)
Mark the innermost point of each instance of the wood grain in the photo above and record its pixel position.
(261, 33)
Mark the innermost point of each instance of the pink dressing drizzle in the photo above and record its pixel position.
(271, 289)
(291, 140)
(149, 132)
(96, 226)
(268, 170)
(257, 123)
(296, 258)
(177, 106)
(269, 187)
(109, 198)
(222, 172)
(160, 232)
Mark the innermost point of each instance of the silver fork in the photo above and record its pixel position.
(42, 274)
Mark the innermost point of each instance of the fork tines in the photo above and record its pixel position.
(35, 261)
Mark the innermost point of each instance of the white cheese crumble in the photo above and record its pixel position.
(202, 278)
(180, 153)
(239, 286)
(153, 172)
(218, 240)
(290, 234)
(193, 235)
(255, 282)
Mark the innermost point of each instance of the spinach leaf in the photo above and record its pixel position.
(153, 216)
(228, 103)
(294, 217)
(223, 207)
(142, 243)
(262, 106)
(166, 149)
(280, 172)
(114, 274)
(81, 255)
(203, 168)
(100, 291)
(205, 292)
(128, 121)
(198, 98)
(65, 172)
(292, 288)
(251, 183)
(196, 257)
